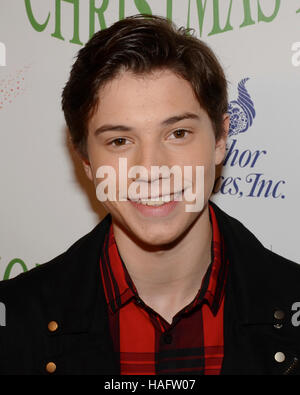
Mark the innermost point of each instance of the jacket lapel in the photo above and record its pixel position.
(260, 283)
(75, 300)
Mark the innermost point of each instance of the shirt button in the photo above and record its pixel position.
(50, 367)
(52, 326)
(279, 357)
(168, 338)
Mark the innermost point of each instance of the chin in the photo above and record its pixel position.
(157, 235)
(156, 240)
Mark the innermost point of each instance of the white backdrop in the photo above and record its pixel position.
(44, 204)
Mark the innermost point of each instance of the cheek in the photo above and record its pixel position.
(205, 158)
(103, 168)
(203, 155)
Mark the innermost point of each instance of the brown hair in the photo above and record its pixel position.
(141, 44)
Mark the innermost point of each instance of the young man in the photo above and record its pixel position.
(154, 288)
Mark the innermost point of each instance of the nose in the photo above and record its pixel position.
(154, 181)
(163, 180)
(148, 155)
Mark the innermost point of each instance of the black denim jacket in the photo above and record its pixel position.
(260, 337)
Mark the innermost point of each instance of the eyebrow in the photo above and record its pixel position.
(166, 122)
(177, 118)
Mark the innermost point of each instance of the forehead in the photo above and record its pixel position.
(148, 97)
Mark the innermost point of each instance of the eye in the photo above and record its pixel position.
(180, 133)
(118, 142)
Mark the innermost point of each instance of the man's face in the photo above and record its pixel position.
(152, 120)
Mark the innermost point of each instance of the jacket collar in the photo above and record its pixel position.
(256, 275)
(73, 293)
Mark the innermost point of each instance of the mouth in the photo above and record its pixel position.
(159, 200)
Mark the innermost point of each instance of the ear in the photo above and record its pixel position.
(220, 149)
(87, 168)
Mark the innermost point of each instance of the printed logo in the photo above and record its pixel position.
(254, 184)
(210, 15)
(241, 111)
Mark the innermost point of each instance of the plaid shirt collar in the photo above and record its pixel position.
(119, 288)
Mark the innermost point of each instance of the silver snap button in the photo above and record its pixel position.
(279, 357)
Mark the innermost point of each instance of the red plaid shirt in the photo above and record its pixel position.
(146, 343)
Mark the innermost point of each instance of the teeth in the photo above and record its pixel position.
(151, 203)
(161, 201)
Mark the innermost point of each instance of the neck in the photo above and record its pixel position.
(169, 278)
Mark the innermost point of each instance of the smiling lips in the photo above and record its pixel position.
(155, 209)
(158, 201)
